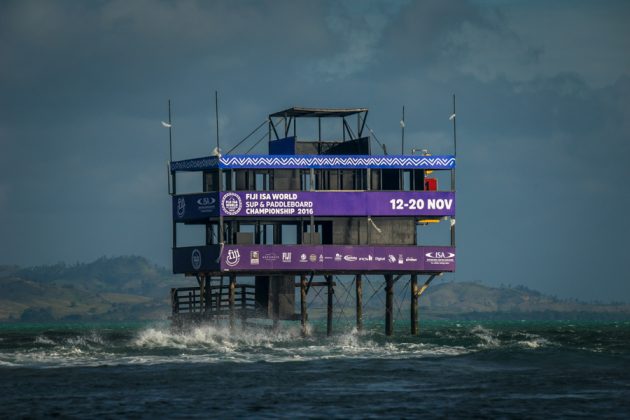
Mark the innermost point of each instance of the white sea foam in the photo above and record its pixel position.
(534, 343)
(40, 339)
(211, 343)
(488, 337)
(214, 344)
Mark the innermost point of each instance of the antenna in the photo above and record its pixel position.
(453, 118)
(170, 132)
(402, 127)
(216, 115)
(169, 125)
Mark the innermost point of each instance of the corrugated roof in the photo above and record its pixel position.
(317, 112)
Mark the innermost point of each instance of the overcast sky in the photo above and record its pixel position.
(543, 96)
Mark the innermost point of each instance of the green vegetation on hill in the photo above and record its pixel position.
(121, 288)
(132, 288)
(478, 301)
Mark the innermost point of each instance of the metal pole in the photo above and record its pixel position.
(453, 170)
(303, 313)
(216, 114)
(402, 127)
(329, 312)
(319, 129)
(359, 301)
(389, 304)
(174, 174)
(454, 128)
(414, 304)
(170, 135)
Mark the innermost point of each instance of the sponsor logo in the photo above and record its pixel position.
(206, 201)
(439, 254)
(286, 257)
(271, 257)
(303, 258)
(338, 257)
(411, 259)
(321, 257)
(349, 258)
(231, 203)
(206, 204)
(400, 259)
(440, 258)
(312, 258)
(195, 259)
(181, 207)
(254, 257)
(379, 258)
(233, 257)
(391, 258)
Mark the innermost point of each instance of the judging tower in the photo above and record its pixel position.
(309, 210)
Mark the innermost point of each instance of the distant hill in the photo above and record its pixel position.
(478, 301)
(132, 288)
(121, 288)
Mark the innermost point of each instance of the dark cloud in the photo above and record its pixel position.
(542, 117)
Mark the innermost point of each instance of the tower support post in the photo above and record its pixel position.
(414, 304)
(231, 299)
(389, 304)
(303, 314)
(359, 301)
(243, 305)
(329, 311)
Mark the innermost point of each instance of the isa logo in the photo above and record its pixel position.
(444, 258)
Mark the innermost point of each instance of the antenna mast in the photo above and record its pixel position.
(402, 127)
(216, 115)
(170, 133)
(453, 117)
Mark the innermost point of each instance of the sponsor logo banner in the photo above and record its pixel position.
(338, 258)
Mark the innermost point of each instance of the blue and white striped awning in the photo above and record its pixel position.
(314, 161)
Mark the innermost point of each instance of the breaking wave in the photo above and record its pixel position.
(159, 343)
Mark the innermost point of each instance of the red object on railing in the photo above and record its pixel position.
(430, 184)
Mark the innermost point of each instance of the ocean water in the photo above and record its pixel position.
(452, 369)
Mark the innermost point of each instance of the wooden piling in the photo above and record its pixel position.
(218, 297)
(207, 291)
(389, 304)
(274, 286)
(414, 304)
(359, 301)
(243, 305)
(329, 312)
(303, 313)
(232, 298)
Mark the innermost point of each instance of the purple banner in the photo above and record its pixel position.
(342, 203)
(337, 258)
